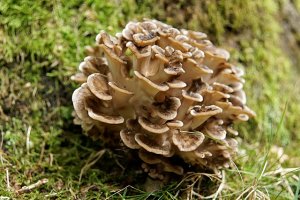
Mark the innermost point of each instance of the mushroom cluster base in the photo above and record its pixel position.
(164, 92)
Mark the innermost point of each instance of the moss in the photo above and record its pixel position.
(41, 44)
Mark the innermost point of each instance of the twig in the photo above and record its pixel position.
(221, 186)
(282, 171)
(1, 144)
(244, 192)
(51, 195)
(28, 139)
(51, 159)
(2, 138)
(32, 186)
(7, 179)
(90, 162)
(72, 193)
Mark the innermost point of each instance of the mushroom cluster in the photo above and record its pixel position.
(168, 93)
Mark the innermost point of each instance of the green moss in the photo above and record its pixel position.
(41, 44)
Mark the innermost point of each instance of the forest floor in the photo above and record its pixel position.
(41, 45)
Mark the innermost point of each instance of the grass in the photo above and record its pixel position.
(41, 45)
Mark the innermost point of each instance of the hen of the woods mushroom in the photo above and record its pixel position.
(168, 93)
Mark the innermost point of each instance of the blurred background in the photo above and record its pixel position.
(42, 43)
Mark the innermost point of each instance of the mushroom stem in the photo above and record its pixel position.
(188, 101)
(117, 67)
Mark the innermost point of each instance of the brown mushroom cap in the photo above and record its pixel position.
(222, 88)
(192, 96)
(152, 127)
(127, 137)
(87, 67)
(193, 70)
(98, 86)
(232, 131)
(187, 141)
(105, 118)
(174, 124)
(106, 39)
(154, 146)
(230, 111)
(176, 84)
(78, 99)
(202, 113)
(215, 130)
(174, 69)
(145, 39)
(212, 96)
(129, 29)
(168, 109)
(240, 96)
(215, 56)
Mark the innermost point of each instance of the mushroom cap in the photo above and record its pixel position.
(106, 39)
(87, 67)
(232, 131)
(128, 139)
(152, 127)
(150, 87)
(98, 86)
(79, 78)
(205, 110)
(175, 124)
(215, 130)
(222, 87)
(174, 69)
(118, 89)
(142, 40)
(168, 109)
(192, 96)
(201, 113)
(154, 146)
(213, 95)
(139, 53)
(176, 84)
(78, 99)
(194, 70)
(109, 119)
(187, 141)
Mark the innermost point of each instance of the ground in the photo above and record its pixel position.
(41, 45)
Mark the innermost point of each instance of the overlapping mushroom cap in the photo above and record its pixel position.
(166, 93)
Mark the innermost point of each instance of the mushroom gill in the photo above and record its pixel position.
(164, 92)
